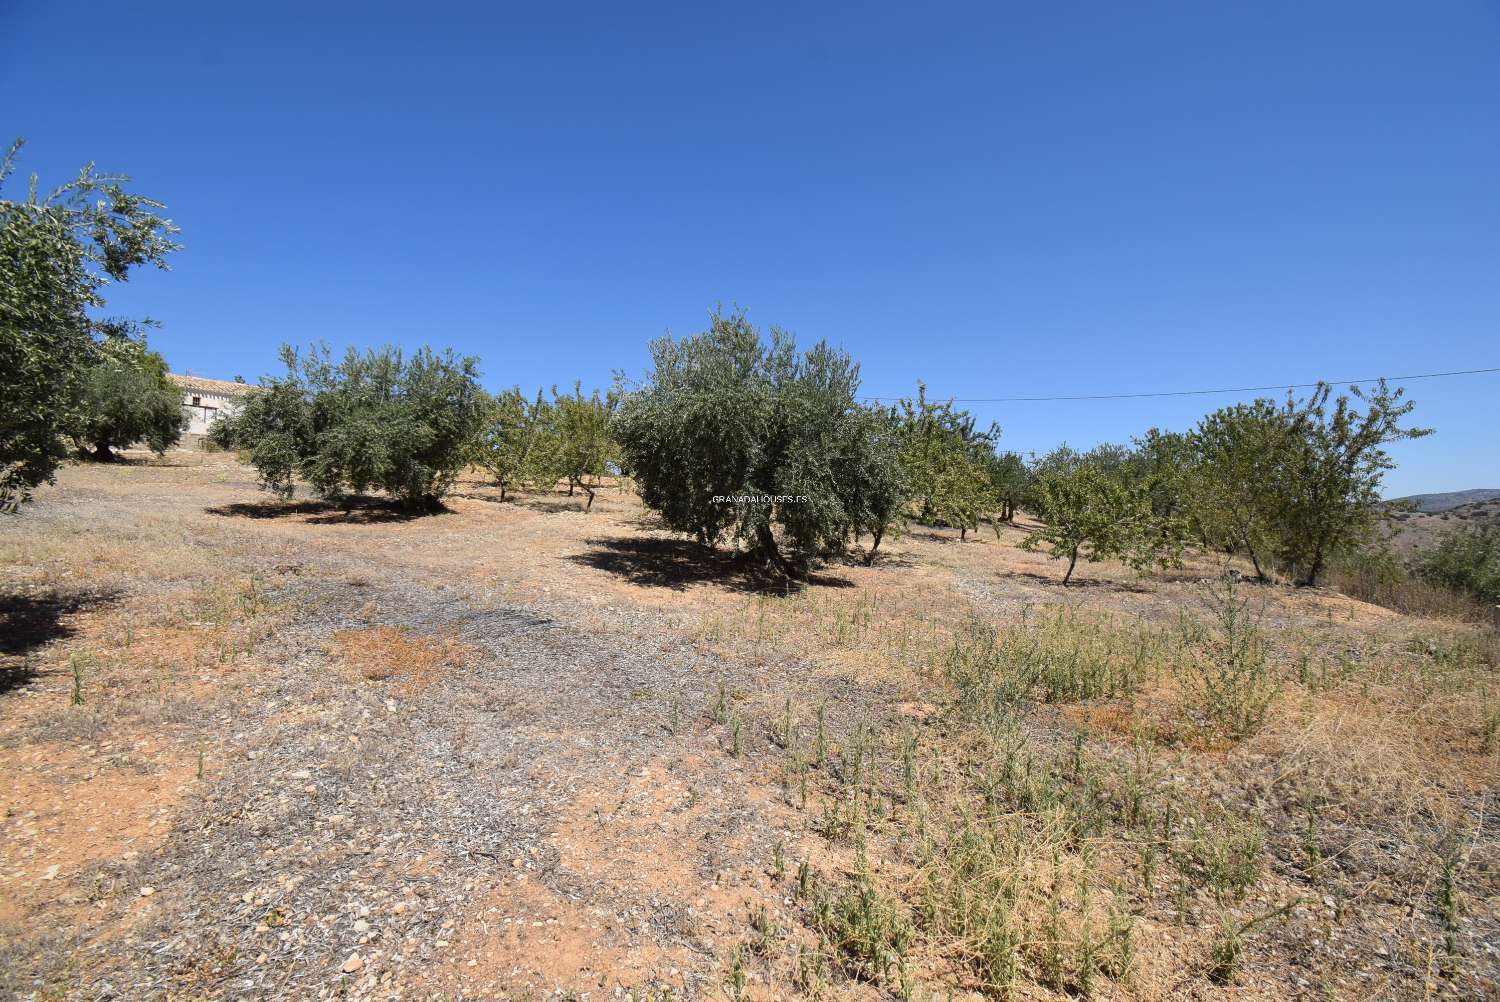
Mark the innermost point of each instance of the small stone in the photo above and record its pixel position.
(354, 963)
(146, 892)
(51, 872)
(361, 926)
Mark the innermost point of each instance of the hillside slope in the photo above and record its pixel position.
(1415, 531)
(1433, 503)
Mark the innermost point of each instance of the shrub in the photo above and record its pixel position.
(1466, 559)
(1230, 677)
(374, 420)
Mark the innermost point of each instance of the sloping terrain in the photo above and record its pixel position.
(1431, 504)
(515, 751)
(1416, 531)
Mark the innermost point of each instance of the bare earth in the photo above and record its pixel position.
(254, 750)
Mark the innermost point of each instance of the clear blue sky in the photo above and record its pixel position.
(1001, 199)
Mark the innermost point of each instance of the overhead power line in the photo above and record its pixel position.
(1196, 393)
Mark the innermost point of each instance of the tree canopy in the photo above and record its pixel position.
(58, 253)
(1087, 512)
(127, 398)
(735, 436)
(375, 420)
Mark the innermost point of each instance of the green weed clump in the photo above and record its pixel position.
(865, 928)
(1229, 675)
(1064, 657)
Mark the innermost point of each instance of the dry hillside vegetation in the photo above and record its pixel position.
(255, 750)
(1416, 530)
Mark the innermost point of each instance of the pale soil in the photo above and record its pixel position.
(471, 756)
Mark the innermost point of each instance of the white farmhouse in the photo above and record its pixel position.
(204, 401)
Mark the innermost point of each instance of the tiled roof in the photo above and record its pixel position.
(211, 385)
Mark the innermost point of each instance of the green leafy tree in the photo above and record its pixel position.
(868, 460)
(1009, 480)
(1329, 488)
(58, 253)
(584, 452)
(1087, 513)
(1234, 483)
(1161, 460)
(946, 461)
(517, 441)
(733, 436)
(127, 398)
(375, 420)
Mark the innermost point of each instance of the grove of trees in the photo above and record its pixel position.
(732, 437)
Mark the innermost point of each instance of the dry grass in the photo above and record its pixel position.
(996, 785)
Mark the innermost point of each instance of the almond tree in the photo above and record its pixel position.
(1329, 498)
(1087, 513)
(946, 462)
(585, 450)
(515, 439)
(59, 250)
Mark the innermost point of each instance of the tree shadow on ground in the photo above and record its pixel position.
(860, 557)
(351, 511)
(679, 563)
(1097, 584)
(549, 506)
(946, 536)
(28, 622)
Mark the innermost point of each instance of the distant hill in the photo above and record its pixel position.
(1415, 531)
(1433, 503)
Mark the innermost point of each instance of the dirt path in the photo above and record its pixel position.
(550, 809)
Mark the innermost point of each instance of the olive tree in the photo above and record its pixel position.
(869, 461)
(1009, 480)
(59, 250)
(127, 398)
(375, 420)
(733, 436)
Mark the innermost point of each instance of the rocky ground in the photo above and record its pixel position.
(265, 751)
